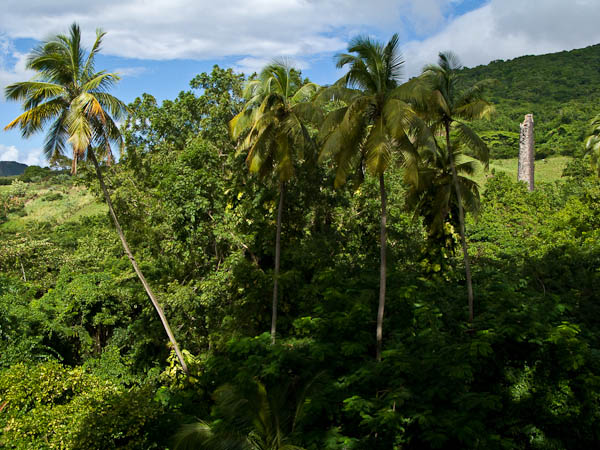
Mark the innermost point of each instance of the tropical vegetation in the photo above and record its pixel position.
(83, 360)
(372, 128)
(275, 118)
(69, 92)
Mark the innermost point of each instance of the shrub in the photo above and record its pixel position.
(52, 406)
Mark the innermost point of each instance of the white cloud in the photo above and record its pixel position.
(130, 71)
(12, 65)
(155, 29)
(254, 31)
(32, 157)
(8, 153)
(505, 29)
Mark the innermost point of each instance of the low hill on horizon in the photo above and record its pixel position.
(11, 168)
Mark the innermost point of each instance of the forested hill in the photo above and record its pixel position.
(562, 90)
(10, 168)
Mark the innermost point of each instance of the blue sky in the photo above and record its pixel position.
(158, 46)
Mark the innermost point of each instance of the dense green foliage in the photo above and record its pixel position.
(83, 359)
(562, 90)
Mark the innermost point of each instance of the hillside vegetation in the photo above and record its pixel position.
(562, 90)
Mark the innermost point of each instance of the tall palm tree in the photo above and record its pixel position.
(592, 143)
(373, 124)
(71, 94)
(274, 119)
(446, 105)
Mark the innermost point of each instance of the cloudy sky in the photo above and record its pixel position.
(158, 46)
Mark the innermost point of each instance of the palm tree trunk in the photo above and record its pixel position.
(139, 273)
(277, 262)
(461, 220)
(382, 266)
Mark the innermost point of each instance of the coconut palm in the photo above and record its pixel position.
(373, 124)
(433, 196)
(592, 143)
(274, 119)
(446, 106)
(70, 95)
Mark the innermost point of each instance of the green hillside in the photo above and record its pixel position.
(10, 168)
(562, 90)
(51, 202)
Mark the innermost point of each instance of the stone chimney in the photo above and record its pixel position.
(526, 152)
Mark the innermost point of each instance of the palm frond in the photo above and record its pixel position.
(242, 121)
(54, 145)
(101, 81)
(336, 93)
(89, 64)
(89, 105)
(449, 61)
(34, 119)
(115, 107)
(477, 109)
(472, 141)
(305, 93)
(475, 92)
(331, 122)
(283, 158)
(200, 436)
(378, 148)
(33, 92)
(592, 143)
(80, 131)
(308, 113)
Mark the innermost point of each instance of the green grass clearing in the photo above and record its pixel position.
(546, 170)
(54, 204)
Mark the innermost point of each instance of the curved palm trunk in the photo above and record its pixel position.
(277, 262)
(382, 266)
(139, 273)
(461, 220)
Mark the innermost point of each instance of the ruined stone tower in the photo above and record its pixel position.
(526, 152)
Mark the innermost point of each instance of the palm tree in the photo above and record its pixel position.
(373, 124)
(445, 105)
(274, 117)
(68, 92)
(250, 419)
(433, 196)
(592, 143)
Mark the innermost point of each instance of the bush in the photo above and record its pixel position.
(6, 181)
(35, 173)
(52, 406)
(52, 196)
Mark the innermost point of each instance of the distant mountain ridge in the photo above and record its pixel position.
(10, 168)
(562, 90)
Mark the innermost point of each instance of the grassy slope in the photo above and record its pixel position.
(546, 170)
(75, 202)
